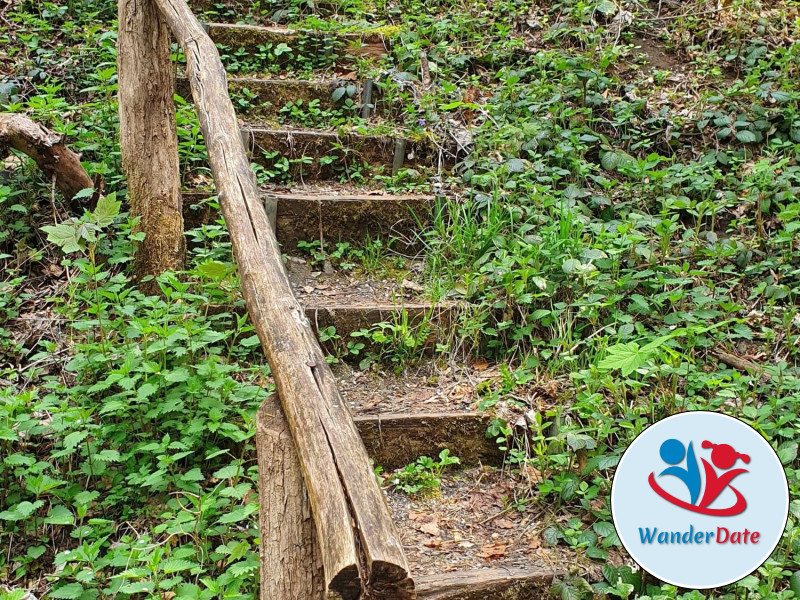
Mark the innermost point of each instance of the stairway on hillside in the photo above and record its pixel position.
(322, 156)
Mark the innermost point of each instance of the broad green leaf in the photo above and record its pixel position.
(21, 511)
(625, 357)
(228, 472)
(106, 211)
(71, 591)
(84, 193)
(64, 236)
(146, 390)
(173, 565)
(282, 49)
(214, 270)
(781, 96)
(604, 529)
(73, 439)
(240, 513)
(177, 375)
(787, 452)
(60, 515)
(571, 265)
(19, 460)
(746, 136)
(606, 7)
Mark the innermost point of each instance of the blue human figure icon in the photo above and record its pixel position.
(672, 452)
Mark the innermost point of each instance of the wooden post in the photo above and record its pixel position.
(149, 139)
(291, 566)
(343, 492)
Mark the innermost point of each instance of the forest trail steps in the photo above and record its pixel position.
(317, 208)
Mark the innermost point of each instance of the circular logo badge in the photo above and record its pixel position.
(700, 500)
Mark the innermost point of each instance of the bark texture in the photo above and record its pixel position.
(291, 565)
(148, 138)
(343, 492)
(47, 150)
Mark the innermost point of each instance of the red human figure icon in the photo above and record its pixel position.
(724, 457)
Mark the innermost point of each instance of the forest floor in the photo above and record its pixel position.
(616, 239)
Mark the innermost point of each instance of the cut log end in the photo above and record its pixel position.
(389, 581)
(346, 583)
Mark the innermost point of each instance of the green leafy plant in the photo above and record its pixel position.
(424, 476)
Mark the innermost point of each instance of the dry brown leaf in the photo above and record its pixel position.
(431, 528)
(496, 550)
(480, 364)
(504, 523)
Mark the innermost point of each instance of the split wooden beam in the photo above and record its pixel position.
(291, 565)
(359, 546)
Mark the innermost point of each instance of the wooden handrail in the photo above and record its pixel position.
(345, 496)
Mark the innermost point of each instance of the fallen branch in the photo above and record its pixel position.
(739, 363)
(47, 149)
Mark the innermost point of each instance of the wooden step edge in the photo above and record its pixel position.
(358, 43)
(521, 583)
(346, 319)
(364, 35)
(347, 218)
(396, 440)
(265, 97)
(332, 154)
(319, 133)
(439, 318)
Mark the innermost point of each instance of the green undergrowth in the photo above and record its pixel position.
(610, 227)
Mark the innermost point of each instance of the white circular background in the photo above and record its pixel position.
(635, 505)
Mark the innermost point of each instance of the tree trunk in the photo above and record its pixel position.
(148, 138)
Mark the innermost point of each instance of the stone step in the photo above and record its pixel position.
(314, 44)
(324, 155)
(258, 99)
(335, 215)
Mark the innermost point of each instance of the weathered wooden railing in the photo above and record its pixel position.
(326, 531)
(353, 536)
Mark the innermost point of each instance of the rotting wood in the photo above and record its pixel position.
(487, 584)
(291, 565)
(377, 151)
(250, 37)
(346, 217)
(47, 150)
(289, 544)
(336, 470)
(740, 364)
(395, 440)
